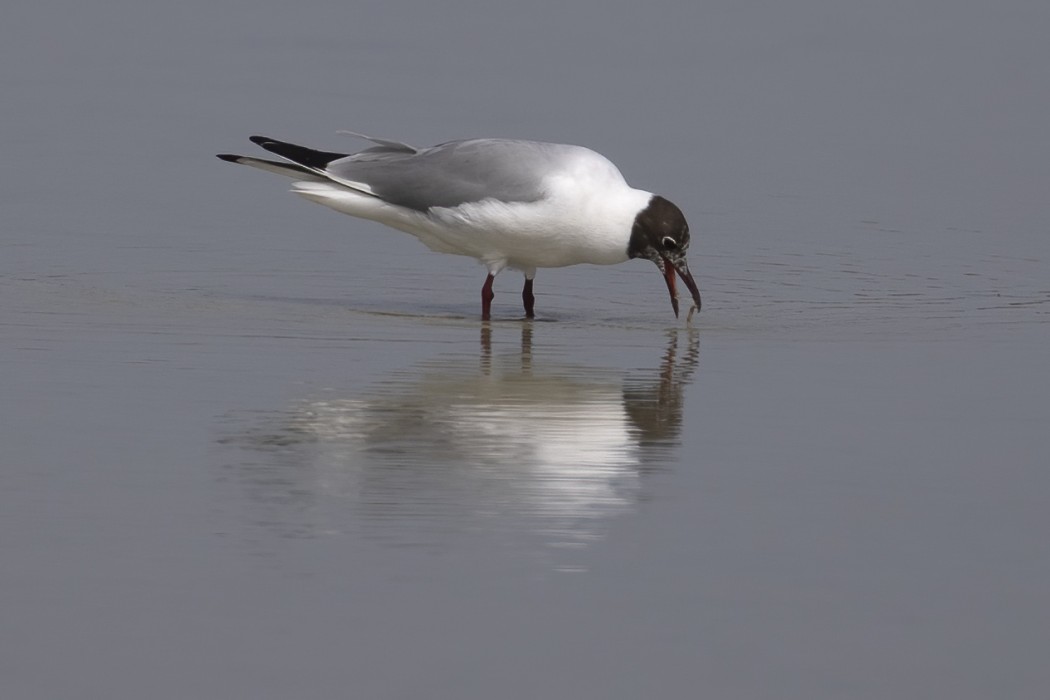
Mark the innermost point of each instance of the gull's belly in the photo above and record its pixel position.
(522, 236)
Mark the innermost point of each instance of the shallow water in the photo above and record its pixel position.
(256, 449)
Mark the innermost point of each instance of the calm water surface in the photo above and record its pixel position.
(255, 449)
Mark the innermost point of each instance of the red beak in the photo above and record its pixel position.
(683, 272)
(669, 278)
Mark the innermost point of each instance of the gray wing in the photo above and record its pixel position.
(386, 143)
(453, 173)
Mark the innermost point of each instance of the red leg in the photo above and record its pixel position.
(529, 299)
(486, 297)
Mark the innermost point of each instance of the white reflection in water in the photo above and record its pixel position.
(489, 443)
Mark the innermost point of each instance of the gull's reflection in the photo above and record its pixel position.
(505, 441)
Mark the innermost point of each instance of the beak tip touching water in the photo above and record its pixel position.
(669, 269)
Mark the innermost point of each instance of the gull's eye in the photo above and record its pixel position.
(669, 243)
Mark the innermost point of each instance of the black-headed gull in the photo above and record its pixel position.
(517, 204)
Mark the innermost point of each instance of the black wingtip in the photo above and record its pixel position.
(301, 155)
(228, 157)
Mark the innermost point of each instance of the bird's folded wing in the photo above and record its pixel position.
(451, 174)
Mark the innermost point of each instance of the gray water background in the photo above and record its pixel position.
(254, 449)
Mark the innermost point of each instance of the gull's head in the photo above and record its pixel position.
(660, 234)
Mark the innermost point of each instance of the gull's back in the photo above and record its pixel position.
(461, 172)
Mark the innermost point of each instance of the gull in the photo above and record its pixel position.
(508, 203)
